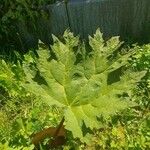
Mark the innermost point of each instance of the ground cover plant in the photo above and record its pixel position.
(77, 81)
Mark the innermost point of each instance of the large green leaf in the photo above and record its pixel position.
(81, 88)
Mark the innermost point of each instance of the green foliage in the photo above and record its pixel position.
(7, 147)
(127, 130)
(22, 117)
(81, 88)
(130, 129)
(12, 13)
(100, 71)
(10, 78)
(141, 61)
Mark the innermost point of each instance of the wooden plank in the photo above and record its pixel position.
(56, 24)
(114, 17)
(58, 18)
(133, 18)
(126, 18)
(141, 18)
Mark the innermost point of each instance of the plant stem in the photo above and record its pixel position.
(51, 131)
(59, 127)
(54, 142)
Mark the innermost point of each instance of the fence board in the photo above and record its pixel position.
(58, 18)
(114, 17)
(126, 18)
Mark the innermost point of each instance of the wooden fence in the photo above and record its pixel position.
(126, 18)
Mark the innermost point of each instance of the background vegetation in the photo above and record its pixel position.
(25, 13)
(20, 112)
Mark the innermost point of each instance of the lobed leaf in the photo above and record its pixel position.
(81, 88)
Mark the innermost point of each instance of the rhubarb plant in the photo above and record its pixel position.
(80, 87)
